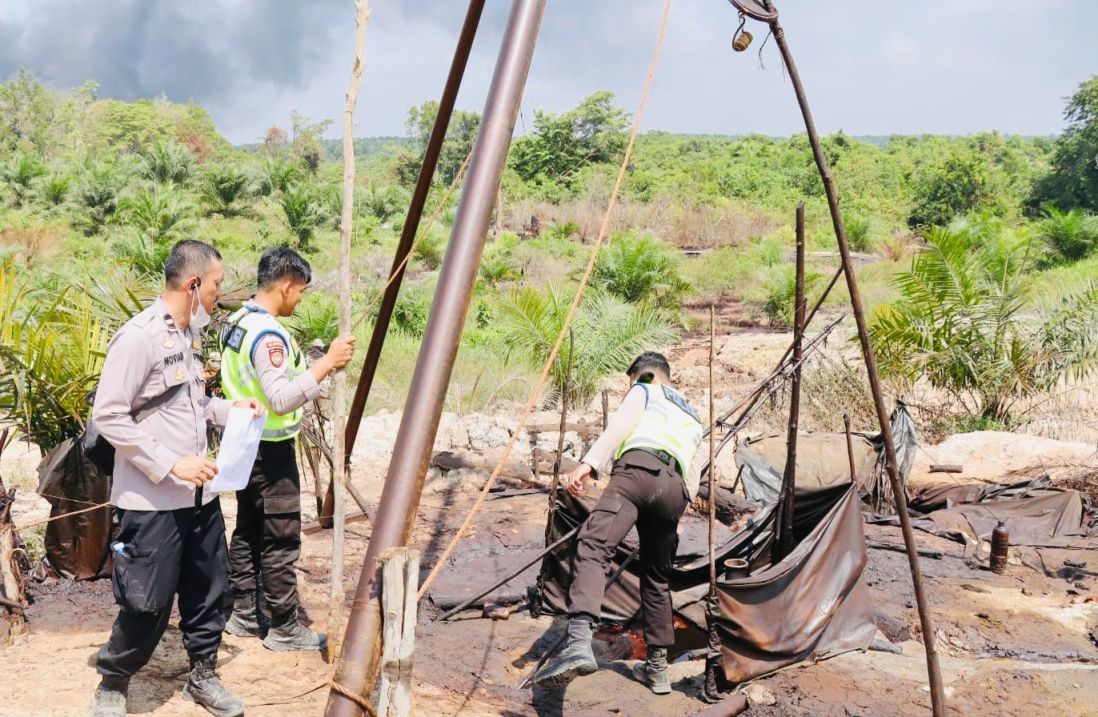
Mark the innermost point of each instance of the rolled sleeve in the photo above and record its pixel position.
(125, 370)
(285, 394)
(618, 427)
(216, 411)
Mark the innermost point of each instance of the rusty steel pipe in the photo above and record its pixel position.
(937, 692)
(357, 665)
(784, 543)
(407, 238)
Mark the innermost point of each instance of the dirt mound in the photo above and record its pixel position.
(998, 455)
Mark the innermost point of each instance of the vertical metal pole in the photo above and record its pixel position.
(937, 693)
(784, 543)
(357, 665)
(407, 237)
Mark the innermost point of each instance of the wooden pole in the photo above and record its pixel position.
(339, 393)
(934, 672)
(784, 543)
(711, 686)
(605, 407)
(399, 577)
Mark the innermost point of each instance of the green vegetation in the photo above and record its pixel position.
(962, 323)
(93, 192)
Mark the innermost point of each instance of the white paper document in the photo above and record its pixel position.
(239, 444)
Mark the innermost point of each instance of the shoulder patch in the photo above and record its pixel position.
(679, 401)
(235, 338)
(276, 352)
(144, 318)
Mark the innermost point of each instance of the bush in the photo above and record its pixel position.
(781, 295)
(429, 250)
(860, 232)
(20, 175)
(315, 319)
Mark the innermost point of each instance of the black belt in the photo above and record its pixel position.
(663, 457)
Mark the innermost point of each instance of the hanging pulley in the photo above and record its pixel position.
(742, 39)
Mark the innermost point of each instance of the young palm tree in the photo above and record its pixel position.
(168, 163)
(278, 174)
(960, 324)
(51, 349)
(302, 212)
(1070, 236)
(159, 215)
(98, 196)
(55, 189)
(641, 268)
(20, 175)
(225, 187)
(609, 333)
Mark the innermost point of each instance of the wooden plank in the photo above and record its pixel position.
(399, 578)
(946, 468)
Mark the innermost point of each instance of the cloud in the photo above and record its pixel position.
(186, 51)
(936, 66)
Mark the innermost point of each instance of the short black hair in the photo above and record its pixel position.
(281, 262)
(646, 364)
(188, 257)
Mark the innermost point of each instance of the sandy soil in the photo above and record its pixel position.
(1017, 644)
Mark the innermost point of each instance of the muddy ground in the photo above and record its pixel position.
(1022, 643)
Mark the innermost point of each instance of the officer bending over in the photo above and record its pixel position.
(172, 536)
(262, 362)
(654, 438)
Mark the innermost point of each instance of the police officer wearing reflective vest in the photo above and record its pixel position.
(171, 538)
(655, 440)
(260, 360)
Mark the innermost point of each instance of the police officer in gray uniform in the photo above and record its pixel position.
(172, 535)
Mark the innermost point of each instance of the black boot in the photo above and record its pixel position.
(246, 620)
(204, 688)
(575, 660)
(653, 671)
(110, 697)
(294, 636)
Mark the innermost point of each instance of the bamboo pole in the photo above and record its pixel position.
(339, 393)
(934, 674)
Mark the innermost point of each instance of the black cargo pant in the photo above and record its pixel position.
(165, 553)
(267, 540)
(647, 492)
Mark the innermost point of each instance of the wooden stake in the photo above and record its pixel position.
(399, 578)
(783, 544)
(711, 684)
(339, 393)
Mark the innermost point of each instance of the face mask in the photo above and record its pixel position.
(200, 318)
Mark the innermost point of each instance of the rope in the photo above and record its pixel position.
(603, 229)
(423, 232)
(64, 515)
(353, 697)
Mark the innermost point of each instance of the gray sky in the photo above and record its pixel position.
(941, 66)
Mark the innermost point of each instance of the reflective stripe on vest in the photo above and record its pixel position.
(668, 424)
(240, 380)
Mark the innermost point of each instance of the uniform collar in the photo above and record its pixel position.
(255, 308)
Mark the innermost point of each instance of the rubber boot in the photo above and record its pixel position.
(653, 671)
(575, 660)
(204, 688)
(294, 636)
(246, 620)
(110, 697)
